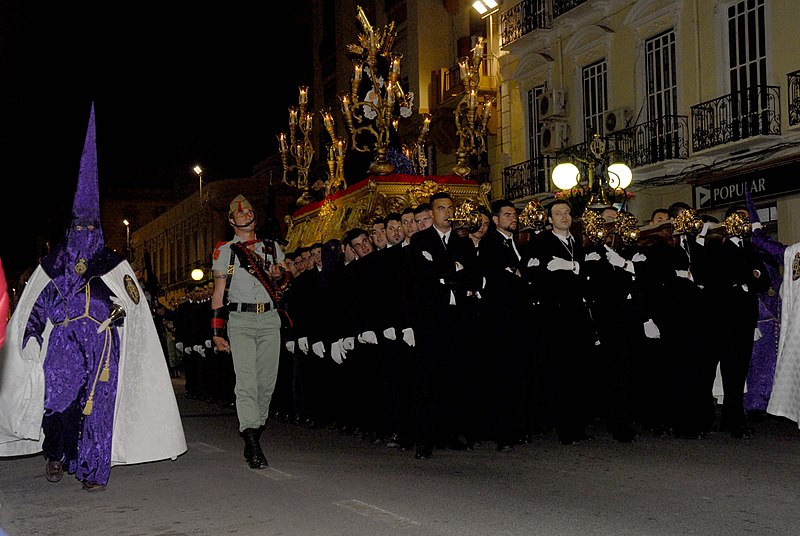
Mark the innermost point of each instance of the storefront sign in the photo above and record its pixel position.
(764, 183)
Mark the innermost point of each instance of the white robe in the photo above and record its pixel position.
(147, 424)
(785, 398)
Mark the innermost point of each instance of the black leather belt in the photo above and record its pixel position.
(249, 307)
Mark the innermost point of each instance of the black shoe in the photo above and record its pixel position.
(54, 470)
(504, 447)
(457, 444)
(423, 453)
(741, 432)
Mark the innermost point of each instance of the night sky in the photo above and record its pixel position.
(173, 84)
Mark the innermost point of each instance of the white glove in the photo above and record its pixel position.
(187, 350)
(614, 258)
(684, 274)
(336, 351)
(757, 334)
(179, 346)
(427, 256)
(302, 343)
(560, 264)
(639, 257)
(756, 225)
(459, 266)
(290, 346)
(201, 351)
(208, 343)
(533, 261)
(318, 348)
(390, 334)
(593, 256)
(197, 348)
(408, 337)
(368, 337)
(701, 237)
(651, 330)
(348, 343)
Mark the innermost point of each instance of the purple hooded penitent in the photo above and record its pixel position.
(81, 365)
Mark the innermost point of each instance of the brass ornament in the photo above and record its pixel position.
(466, 216)
(534, 215)
(688, 222)
(796, 267)
(627, 227)
(80, 266)
(738, 225)
(594, 226)
(131, 288)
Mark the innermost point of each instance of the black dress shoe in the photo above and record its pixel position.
(501, 447)
(423, 453)
(457, 444)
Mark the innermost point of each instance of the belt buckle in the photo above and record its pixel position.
(260, 307)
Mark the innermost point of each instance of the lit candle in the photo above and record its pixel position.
(463, 66)
(309, 121)
(358, 70)
(396, 63)
(292, 116)
(282, 139)
(426, 124)
(327, 120)
(303, 94)
(473, 99)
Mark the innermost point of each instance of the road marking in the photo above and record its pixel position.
(274, 474)
(367, 510)
(204, 447)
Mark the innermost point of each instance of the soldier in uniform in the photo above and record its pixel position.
(248, 289)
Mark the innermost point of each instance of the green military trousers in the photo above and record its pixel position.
(255, 340)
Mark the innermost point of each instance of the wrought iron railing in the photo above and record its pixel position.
(794, 97)
(657, 140)
(754, 111)
(527, 178)
(562, 6)
(522, 19)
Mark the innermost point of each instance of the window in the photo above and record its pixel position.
(747, 64)
(595, 98)
(534, 123)
(662, 96)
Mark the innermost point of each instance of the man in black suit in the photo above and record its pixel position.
(569, 334)
(442, 275)
(738, 275)
(507, 312)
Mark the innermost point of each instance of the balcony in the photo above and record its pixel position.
(522, 19)
(448, 87)
(658, 140)
(562, 6)
(528, 178)
(794, 98)
(744, 114)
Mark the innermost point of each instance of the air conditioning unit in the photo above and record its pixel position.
(617, 119)
(555, 136)
(552, 103)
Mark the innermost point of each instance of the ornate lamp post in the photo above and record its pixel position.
(471, 119)
(299, 148)
(614, 175)
(372, 117)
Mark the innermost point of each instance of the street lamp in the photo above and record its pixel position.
(199, 171)
(486, 7)
(198, 274)
(127, 225)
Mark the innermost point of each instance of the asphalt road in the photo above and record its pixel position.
(323, 483)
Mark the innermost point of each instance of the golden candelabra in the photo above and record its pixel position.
(416, 151)
(299, 149)
(373, 117)
(336, 153)
(470, 125)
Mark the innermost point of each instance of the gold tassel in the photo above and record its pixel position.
(105, 373)
(87, 409)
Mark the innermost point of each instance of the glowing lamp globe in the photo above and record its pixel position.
(197, 274)
(619, 175)
(565, 176)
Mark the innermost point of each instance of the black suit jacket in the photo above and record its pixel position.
(506, 290)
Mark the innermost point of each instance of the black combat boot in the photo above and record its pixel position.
(252, 449)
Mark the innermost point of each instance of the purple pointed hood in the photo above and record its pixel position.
(82, 254)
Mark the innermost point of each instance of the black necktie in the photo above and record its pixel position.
(510, 242)
(444, 241)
